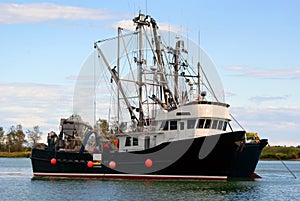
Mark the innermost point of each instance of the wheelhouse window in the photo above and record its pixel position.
(128, 141)
(207, 123)
(200, 123)
(220, 125)
(191, 123)
(214, 124)
(211, 123)
(225, 126)
(135, 141)
(173, 125)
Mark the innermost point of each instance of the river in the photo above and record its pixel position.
(277, 183)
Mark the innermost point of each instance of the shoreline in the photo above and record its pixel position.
(272, 159)
(22, 154)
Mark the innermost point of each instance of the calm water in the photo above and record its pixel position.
(277, 184)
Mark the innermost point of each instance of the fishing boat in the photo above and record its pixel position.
(148, 105)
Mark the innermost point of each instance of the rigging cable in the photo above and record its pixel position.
(277, 156)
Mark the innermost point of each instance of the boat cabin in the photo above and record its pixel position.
(196, 119)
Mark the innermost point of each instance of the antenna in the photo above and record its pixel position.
(199, 49)
(146, 7)
(199, 65)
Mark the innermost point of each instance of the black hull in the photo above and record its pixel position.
(246, 159)
(227, 160)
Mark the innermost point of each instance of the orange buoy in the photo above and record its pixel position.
(112, 164)
(53, 161)
(90, 164)
(148, 163)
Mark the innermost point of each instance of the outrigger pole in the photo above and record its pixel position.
(116, 79)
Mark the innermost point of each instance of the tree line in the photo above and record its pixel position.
(16, 140)
(280, 152)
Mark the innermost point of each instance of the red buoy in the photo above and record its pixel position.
(53, 161)
(112, 164)
(90, 164)
(148, 163)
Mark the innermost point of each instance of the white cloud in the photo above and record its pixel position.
(229, 94)
(278, 124)
(32, 104)
(261, 99)
(288, 73)
(12, 13)
(126, 24)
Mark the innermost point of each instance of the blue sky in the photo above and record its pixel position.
(254, 44)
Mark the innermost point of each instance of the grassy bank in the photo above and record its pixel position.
(24, 154)
(280, 152)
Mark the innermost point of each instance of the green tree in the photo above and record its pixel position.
(34, 135)
(15, 138)
(102, 126)
(10, 138)
(2, 139)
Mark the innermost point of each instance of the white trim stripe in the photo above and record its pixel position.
(129, 176)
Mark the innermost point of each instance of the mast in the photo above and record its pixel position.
(140, 77)
(141, 20)
(118, 67)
